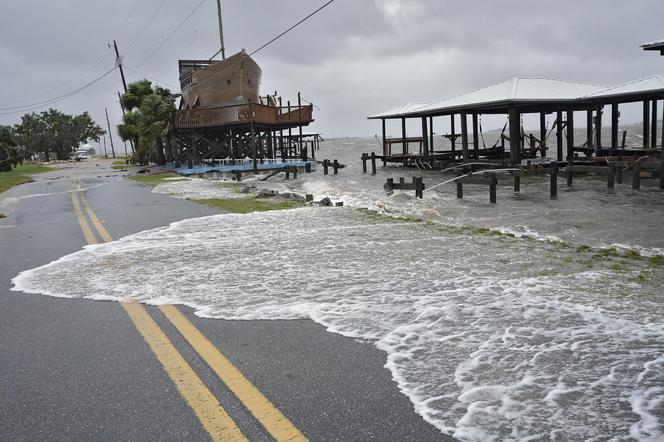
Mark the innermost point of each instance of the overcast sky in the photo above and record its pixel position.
(354, 58)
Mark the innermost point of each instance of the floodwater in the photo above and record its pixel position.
(528, 320)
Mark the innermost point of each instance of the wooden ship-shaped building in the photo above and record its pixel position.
(222, 115)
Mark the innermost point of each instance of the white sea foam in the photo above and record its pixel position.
(492, 338)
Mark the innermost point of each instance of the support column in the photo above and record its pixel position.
(570, 136)
(384, 145)
(653, 125)
(589, 127)
(559, 135)
(476, 137)
(431, 135)
(403, 136)
(252, 142)
(425, 139)
(615, 115)
(646, 124)
(464, 137)
(453, 137)
(543, 133)
(598, 127)
(515, 136)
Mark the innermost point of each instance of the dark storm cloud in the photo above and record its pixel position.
(355, 58)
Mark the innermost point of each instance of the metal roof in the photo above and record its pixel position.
(656, 45)
(653, 83)
(516, 90)
(525, 91)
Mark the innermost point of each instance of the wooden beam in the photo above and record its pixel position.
(598, 127)
(653, 125)
(515, 135)
(589, 127)
(615, 112)
(384, 145)
(570, 135)
(403, 136)
(646, 124)
(542, 119)
(453, 138)
(559, 135)
(476, 137)
(464, 137)
(431, 147)
(425, 138)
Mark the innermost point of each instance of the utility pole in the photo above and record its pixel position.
(221, 32)
(118, 62)
(110, 137)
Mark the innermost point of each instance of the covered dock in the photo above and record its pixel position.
(522, 96)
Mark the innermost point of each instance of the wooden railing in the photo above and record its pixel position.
(243, 113)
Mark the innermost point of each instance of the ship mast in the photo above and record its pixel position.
(221, 31)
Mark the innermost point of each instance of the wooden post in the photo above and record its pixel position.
(364, 163)
(492, 188)
(288, 173)
(653, 125)
(619, 173)
(299, 138)
(290, 133)
(459, 186)
(326, 164)
(425, 139)
(403, 138)
(464, 137)
(431, 135)
(543, 133)
(646, 124)
(384, 145)
(419, 187)
(559, 135)
(589, 127)
(570, 146)
(615, 115)
(476, 137)
(373, 163)
(515, 136)
(517, 183)
(335, 167)
(554, 181)
(636, 176)
(612, 176)
(598, 127)
(453, 134)
(661, 170)
(252, 143)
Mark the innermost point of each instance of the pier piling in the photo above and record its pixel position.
(636, 176)
(459, 187)
(336, 167)
(364, 163)
(492, 188)
(373, 163)
(554, 181)
(612, 176)
(326, 164)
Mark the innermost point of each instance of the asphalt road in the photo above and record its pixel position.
(78, 369)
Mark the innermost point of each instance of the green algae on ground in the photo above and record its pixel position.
(248, 205)
(20, 175)
(153, 180)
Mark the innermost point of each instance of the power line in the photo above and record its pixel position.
(292, 27)
(145, 27)
(154, 80)
(171, 34)
(131, 12)
(28, 107)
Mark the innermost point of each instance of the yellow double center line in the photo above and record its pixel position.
(205, 405)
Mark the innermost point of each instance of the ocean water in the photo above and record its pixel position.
(528, 320)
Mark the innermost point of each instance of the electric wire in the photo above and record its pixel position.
(171, 34)
(131, 12)
(146, 26)
(33, 106)
(292, 27)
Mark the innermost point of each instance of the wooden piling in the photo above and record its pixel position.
(646, 124)
(661, 169)
(492, 188)
(612, 176)
(619, 173)
(554, 181)
(559, 135)
(476, 137)
(419, 187)
(326, 164)
(373, 163)
(335, 167)
(615, 113)
(364, 163)
(459, 186)
(570, 146)
(309, 197)
(636, 176)
(464, 138)
(653, 125)
(542, 118)
(517, 183)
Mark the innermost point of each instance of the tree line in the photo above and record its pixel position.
(46, 135)
(55, 134)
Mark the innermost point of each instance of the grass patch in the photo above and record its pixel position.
(20, 175)
(632, 254)
(248, 205)
(656, 261)
(583, 248)
(375, 216)
(153, 180)
(605, 253)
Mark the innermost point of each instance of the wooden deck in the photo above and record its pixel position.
(243, 114)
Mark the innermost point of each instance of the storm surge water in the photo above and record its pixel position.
(530, 320)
